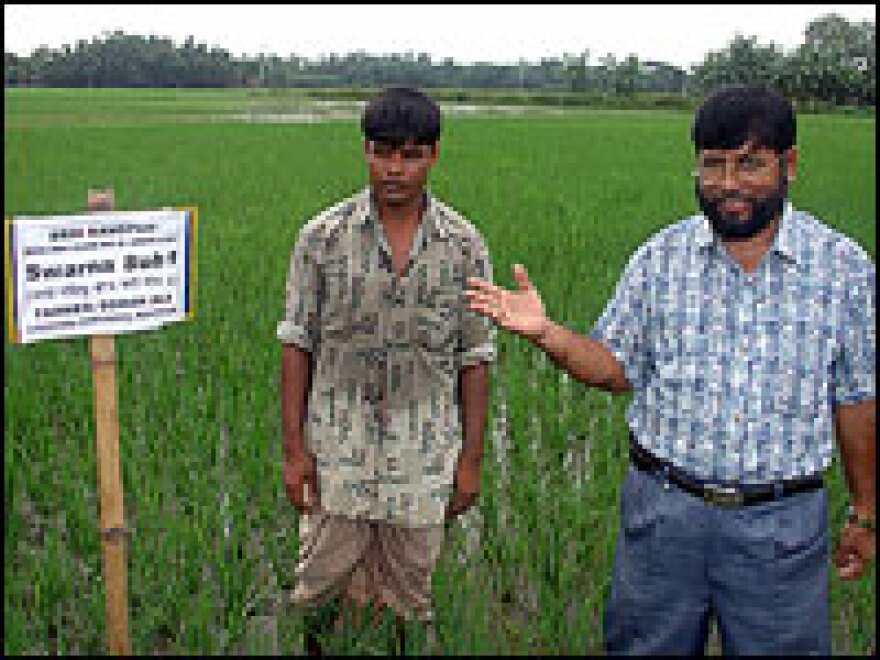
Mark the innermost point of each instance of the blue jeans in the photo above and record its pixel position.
(761, 569)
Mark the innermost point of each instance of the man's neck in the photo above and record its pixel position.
(401, 217)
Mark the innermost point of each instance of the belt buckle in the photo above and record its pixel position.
(723, 495)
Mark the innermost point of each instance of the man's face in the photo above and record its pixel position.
(742, 190)
(398, 174)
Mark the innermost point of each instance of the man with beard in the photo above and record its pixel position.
(746, 334)
(384, 378)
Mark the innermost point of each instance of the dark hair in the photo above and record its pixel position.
(399, 114)
(736, 114)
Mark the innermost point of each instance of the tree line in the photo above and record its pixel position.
(835, 64)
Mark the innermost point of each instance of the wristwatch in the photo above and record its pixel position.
(855, 519)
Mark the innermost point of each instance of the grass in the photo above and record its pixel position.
(214, 542)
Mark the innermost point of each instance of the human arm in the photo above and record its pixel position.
(299, 466)
(298, 334)
(587, 360)
(856, 426)
(522, 312)
(855, 421)
(474, 389)
(475, 349)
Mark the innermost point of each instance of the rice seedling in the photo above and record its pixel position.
(214, 539)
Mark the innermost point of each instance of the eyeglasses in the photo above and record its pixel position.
(747, 167)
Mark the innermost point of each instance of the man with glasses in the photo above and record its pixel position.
(746, 334)
(384, 375)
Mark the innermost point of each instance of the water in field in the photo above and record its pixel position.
(321, 113)
(213, 109)
(214, 539)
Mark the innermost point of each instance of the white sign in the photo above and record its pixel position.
(99, 273)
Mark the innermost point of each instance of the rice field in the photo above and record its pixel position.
(214, 540)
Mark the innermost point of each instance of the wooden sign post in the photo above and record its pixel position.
(100, 274)
(113, 531)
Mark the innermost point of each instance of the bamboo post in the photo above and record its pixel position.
(113, 532)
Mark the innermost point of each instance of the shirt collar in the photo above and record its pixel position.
(434, 221)
(705, 237)
(785, 243)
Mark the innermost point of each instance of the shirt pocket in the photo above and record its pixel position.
(336, 301)
(638, 509)
(802, 524)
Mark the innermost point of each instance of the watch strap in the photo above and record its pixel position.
(855, 519)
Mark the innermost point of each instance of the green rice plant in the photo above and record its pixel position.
(214, 539)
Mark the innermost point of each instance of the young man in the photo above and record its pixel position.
(384, 374)
(747, 334)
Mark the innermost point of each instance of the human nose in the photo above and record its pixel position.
(729, 179)
(728, 176)
(394, 162)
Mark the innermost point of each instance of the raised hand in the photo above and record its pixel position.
(519, 311)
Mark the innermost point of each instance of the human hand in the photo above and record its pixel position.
(466, 486)
(301, 482)
(857, 547)
(519, 311)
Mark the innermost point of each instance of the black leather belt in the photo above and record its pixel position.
(720, 495)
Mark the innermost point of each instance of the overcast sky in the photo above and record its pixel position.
(678, 34)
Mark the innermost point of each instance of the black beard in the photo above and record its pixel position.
(763, 212)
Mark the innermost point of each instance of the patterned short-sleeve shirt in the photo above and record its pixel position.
(383, 414)
(736, 375)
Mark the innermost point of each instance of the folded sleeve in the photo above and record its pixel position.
(854, 369)
(624, 324)
(477, 338)
(302, 298)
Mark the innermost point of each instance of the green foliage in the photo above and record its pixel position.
(215, 539)
(835, 66)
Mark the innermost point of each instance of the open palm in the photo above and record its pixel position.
(519, 311)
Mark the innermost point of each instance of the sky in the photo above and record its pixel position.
(677, 34)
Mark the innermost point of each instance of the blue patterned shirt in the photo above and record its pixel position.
(735, 375)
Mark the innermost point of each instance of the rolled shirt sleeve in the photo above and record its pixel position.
(477, 339)
(623, 326)
(302, 298)
(854, 370)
